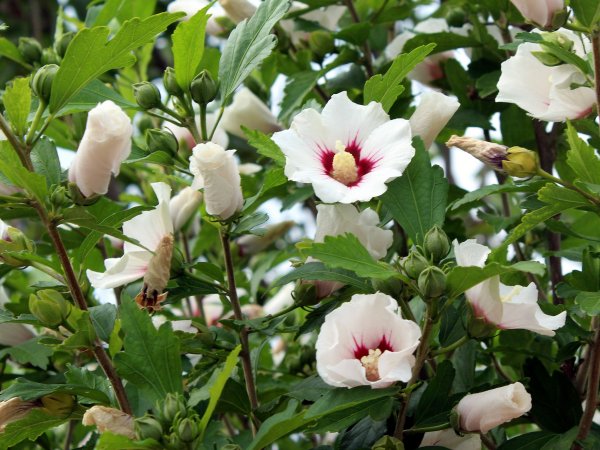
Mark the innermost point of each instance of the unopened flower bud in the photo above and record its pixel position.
(487, 152)
(41, 83)
(436, 244)
(148, 427)
(391, 286)
(183, 205)
(58, 197)
(146, 95)
(543, 13)
(251, 244)
(174, 442)
(388, 443)
(432, 282)
(161, 141)
(187, 430)
(520, 162)
(30, 49)
(61, 45)
(478, 327)
(49, 307)
(456, 17)
(203, 88)
(58, 404)
(305, 294)
(145, 123)
(49, 56)
(414, 264)
(13, 240)
(173, 406)
(321, 42)
(170, 83)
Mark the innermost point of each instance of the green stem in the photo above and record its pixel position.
(159, 116)
(212, 133)
(451, 347)
(595, 38)
(15, 142)
(172, 113)
(48, 271)
(203, 122)
(35, 123)
(283, 312)
(595, 200)
(41, 132)
(442, 426)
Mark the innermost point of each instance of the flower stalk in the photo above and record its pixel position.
(237, 313)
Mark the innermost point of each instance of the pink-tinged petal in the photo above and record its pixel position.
(130, 267)
(389, 146)
(485, 300)
(349, 121)
(12, 334)
(449, 439)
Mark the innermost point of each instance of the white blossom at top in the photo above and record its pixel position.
(348, 151)
(507, 307)
(366, 342)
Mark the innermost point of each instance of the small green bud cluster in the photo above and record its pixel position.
(147, 95)
(12, 243)
(49, 307)
(203, 88)
(41, 83)
(161, 141)
(174, 425)
(421, 264)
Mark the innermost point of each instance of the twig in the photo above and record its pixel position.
(368, 60)
(237, 312)
(487, 442)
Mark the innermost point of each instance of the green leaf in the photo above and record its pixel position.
(151, 359)
(462, 278)
(346, 252)
(480, 193)
(122, 10)
(30, 427)
(582, 158)
(11, 167)
(89, 55)
(30, 352)
(443, 42)
(10, 51)
(216, 389)
(110, 441)
(188, 47)
(89, 97)
(529, 441)
(103, 318)
(45, 161)
(249, 44)
(435, 398)
(31, 390)
(417, 200)
(83, 377)
(265, 146)
(589, 302)
(357, 33)
(387, 88)
(298, 86)
(556, 50)
(17, 101)
(318, 271)
(587, 12)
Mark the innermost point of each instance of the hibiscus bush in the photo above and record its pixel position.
(333, 224)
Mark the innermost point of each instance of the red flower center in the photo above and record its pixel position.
(362, 166)
(361, 350)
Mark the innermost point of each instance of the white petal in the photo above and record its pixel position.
(130, 267)
(470, 253)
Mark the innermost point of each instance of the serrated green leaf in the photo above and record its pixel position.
(30, 352)
(480, 193)
(30, 427)
(529, 441)
(587, 12)
(94, 381)
(216, 389)
(589, 302)
(249, 44)
(318, 271)
(417, 200)
(346, 252)
(265, 146)
(89, 97)
(582, 158)
(17, 101)
(385, 89)
(103, 318)
(435, 398)
(45, 161)
(151, 359)
(31, 390)
(556, 50)
(188, 47)
(298, 86)
(443, 42)
(110, 441)
(89, 55)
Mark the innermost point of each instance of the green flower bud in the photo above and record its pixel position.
(321, 42)
(148, 427)
(521, 162)
(161, 140)
(41, 82)
(145, 123)
(414, 264)
(456, 17)
(79, 199)
(560, 39)
(388, 443)
(305, 293)
(391, 286)
(60, 46)
(187, 430)
(49, 56)
(559, 19)
(203, 88)
(478, 327)
(58, 404)
(173, 406)
(13, 240)
(146, 95)
(49, 307)
(30, 49)
(58, 197)
(174, 442)
(170, 83)
(432, 282)
(436, 244)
